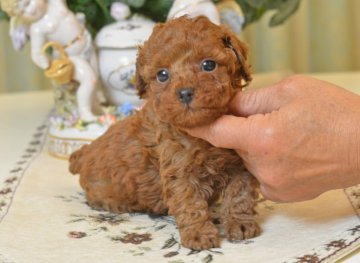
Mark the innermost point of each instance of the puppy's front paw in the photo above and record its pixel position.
(199, 237)
(240, 230)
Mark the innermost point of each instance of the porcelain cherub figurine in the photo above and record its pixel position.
(52, 21)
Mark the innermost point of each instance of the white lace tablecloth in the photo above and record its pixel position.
(44, 218)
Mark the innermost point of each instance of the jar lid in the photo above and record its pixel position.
(124, 34)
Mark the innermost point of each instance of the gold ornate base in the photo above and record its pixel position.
(63, 147)
(62, 143)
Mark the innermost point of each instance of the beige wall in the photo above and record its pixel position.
(324, 35)
(17, 72)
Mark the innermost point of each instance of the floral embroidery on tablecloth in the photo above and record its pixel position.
(138, 230)
(138, 233)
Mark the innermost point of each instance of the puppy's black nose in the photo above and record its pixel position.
(185, 95)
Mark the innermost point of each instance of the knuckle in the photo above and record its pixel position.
(217, 135)
(214, 140)
(267, 141)
(292, 80)
(262, 139)
(292, 83)
(211, 136)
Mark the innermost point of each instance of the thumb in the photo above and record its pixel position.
(261, 100)
(226, 132)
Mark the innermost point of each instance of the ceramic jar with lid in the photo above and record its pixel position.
(117, 46)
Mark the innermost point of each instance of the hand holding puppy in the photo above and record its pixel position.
(299, 137)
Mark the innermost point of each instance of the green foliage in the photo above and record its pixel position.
(134, 3)
(97, 12)
(157, 10)
(254, 10)
(284, 11)
(3, 15)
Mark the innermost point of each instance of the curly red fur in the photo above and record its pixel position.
(147, 163)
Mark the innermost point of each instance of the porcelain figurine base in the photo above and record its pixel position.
(61, 143)
(68, 132)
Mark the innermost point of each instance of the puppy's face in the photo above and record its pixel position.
(190, 69)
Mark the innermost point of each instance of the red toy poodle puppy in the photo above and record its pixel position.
(187, 72)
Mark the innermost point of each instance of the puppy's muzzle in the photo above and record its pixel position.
(185, 95)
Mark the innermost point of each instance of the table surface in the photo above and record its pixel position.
(21, 113)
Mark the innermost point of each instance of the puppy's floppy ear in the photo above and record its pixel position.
(144, 57)
(240, 50)
(139, 80)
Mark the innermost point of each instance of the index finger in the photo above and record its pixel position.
(226, 132)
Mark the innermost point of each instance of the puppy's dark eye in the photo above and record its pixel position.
(162, 75)
(208, 65)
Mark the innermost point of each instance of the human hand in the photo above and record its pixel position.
(299, 137)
